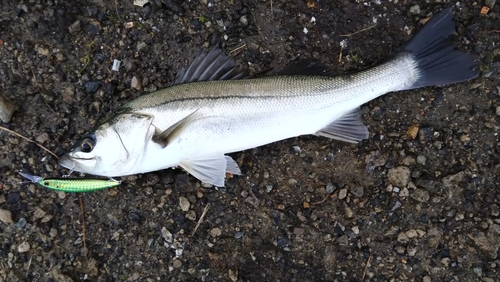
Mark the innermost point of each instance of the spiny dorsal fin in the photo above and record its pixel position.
(212, 66)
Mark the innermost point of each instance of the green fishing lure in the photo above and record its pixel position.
(72, 185)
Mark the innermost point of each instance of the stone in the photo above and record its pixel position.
(399, 176)
(24, 247)
(184, 204)
(342, 193)
(215, 232)
(5, 216)
(7, 109)
(488, 247)
(420, 195)
(415, 9)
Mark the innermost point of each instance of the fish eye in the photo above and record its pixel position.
(87, 144)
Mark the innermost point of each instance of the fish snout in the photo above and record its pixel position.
(67, 162)
(73, 161)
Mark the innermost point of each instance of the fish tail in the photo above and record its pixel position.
(432, 49)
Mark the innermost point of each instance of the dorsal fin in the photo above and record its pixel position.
(306, 67)
(212, 66)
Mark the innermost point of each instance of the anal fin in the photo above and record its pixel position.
(347, 128)
(211, 169)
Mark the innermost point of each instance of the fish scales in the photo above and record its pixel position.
(212, 109)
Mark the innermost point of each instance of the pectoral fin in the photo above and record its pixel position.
(348, 128)
(211, 169)
(163, 138)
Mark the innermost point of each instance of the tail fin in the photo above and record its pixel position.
(432, 49)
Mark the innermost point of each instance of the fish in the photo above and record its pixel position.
(214, 108)
(72, 185)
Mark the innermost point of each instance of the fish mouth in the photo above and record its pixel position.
(71, 162)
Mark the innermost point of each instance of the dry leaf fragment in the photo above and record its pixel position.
(484, 10)
(412, 131)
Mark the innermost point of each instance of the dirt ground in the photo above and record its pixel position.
(392, 208)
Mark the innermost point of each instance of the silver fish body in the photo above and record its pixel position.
(194, 124)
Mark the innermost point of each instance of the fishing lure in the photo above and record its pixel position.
(73, 185)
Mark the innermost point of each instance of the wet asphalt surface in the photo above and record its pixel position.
(417, 201)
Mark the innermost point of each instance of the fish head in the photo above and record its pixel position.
(114, 148)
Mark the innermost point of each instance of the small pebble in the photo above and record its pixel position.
(355, 229)
(177, 263)
(465, 138)
(53, 232)
(399, 176)
(415, 9)
(412, 233)
(421, 232)
(420, 195)
(39, 213)
(167, 236)
(136, 83)
(184, 204)
(7, 109)
(421, 159)
(404, 192)
(21, 223)
(215, 232)
(140, 3)
(329, 188)
(411, 251)
(357, 191)
(191, 215)
(402, 238)
(233, 275)
(342, 193)
(92, 86)
(298, 231)
(5, 216)
(400, 249)
(23, 247)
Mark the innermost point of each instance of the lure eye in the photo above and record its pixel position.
(87, 144)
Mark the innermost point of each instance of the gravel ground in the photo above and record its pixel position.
(418, 201)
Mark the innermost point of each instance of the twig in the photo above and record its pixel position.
(356, 32)
(340, 53)
(201, 219)
(29, 265)
(236, 50)
(331, 196)
(29, 140)
(272, 16)
(495, 30)
(83, 223)
(116, 9)
(366, 267)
